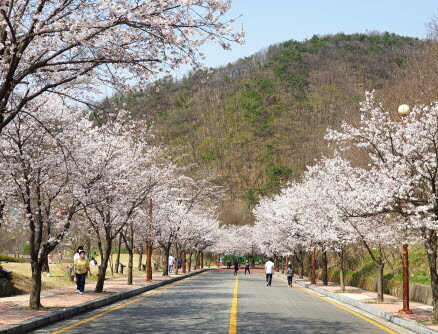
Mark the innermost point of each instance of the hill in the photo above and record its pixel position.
(258, 122)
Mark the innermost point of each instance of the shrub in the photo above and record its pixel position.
(7, 258)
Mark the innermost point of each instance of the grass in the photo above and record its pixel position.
(417, 277)
(361, 265)
(22, 275)
(58, 278)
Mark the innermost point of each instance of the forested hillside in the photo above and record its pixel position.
(258, 122)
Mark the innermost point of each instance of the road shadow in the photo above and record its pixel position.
(251, 322)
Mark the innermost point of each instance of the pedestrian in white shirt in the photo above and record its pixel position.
(171, 261)
(269, 268)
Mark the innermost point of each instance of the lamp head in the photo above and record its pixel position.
(404, 110)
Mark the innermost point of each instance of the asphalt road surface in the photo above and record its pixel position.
(204, 304)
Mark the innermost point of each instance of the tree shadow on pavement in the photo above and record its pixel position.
(170, 313)
(253, 322)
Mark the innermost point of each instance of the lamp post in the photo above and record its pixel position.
(403, 111)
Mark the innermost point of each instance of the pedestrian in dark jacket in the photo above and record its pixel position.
(290, 275)
(236, 266)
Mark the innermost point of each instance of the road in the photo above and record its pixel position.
(204, 304)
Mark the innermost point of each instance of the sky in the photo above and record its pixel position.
(270, 22)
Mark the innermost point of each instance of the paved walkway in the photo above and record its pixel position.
(217, 302)
(211, 295)
(422, 312)
(13, 309)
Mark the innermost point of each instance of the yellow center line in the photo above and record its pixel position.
(123, 305)
(233, 315)
(344, 308)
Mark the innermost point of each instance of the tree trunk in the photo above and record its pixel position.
(88, 246)
(380, 265)
(130, 265)
(300, 260)
(166, 260)
(140, 258)
(202, 260)
(116, 265)
(35, 292)
(324, 268)
(103, 266)
(196, 260)
(149, 245)
(341, 270)
(178, 255)
(431, 251)
(313, 267)
(190, 261)
(309, 264)
(184, 262)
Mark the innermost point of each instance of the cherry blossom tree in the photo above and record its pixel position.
(333, 206)
(201, 231)
(71, 47)
(131, 234)
(173, 210)
(119, 172)
(279, 226)
(351, 201)
(402, 153)
(38, 152)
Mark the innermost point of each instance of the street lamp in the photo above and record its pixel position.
(404, 111)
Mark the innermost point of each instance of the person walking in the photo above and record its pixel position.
(228, 264)
(76, 257)
(269, 269)
(236, 266)
(290, 275)
(82, 266)
(247, 267)
(171, 261)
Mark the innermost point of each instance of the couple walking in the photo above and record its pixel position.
(269, 269)
(236, 267)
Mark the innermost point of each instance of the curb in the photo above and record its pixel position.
(69, 312)
(413, 326)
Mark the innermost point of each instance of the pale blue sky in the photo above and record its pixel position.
(269, 22)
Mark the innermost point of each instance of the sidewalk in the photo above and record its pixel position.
(422, 313)
(13, 310)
